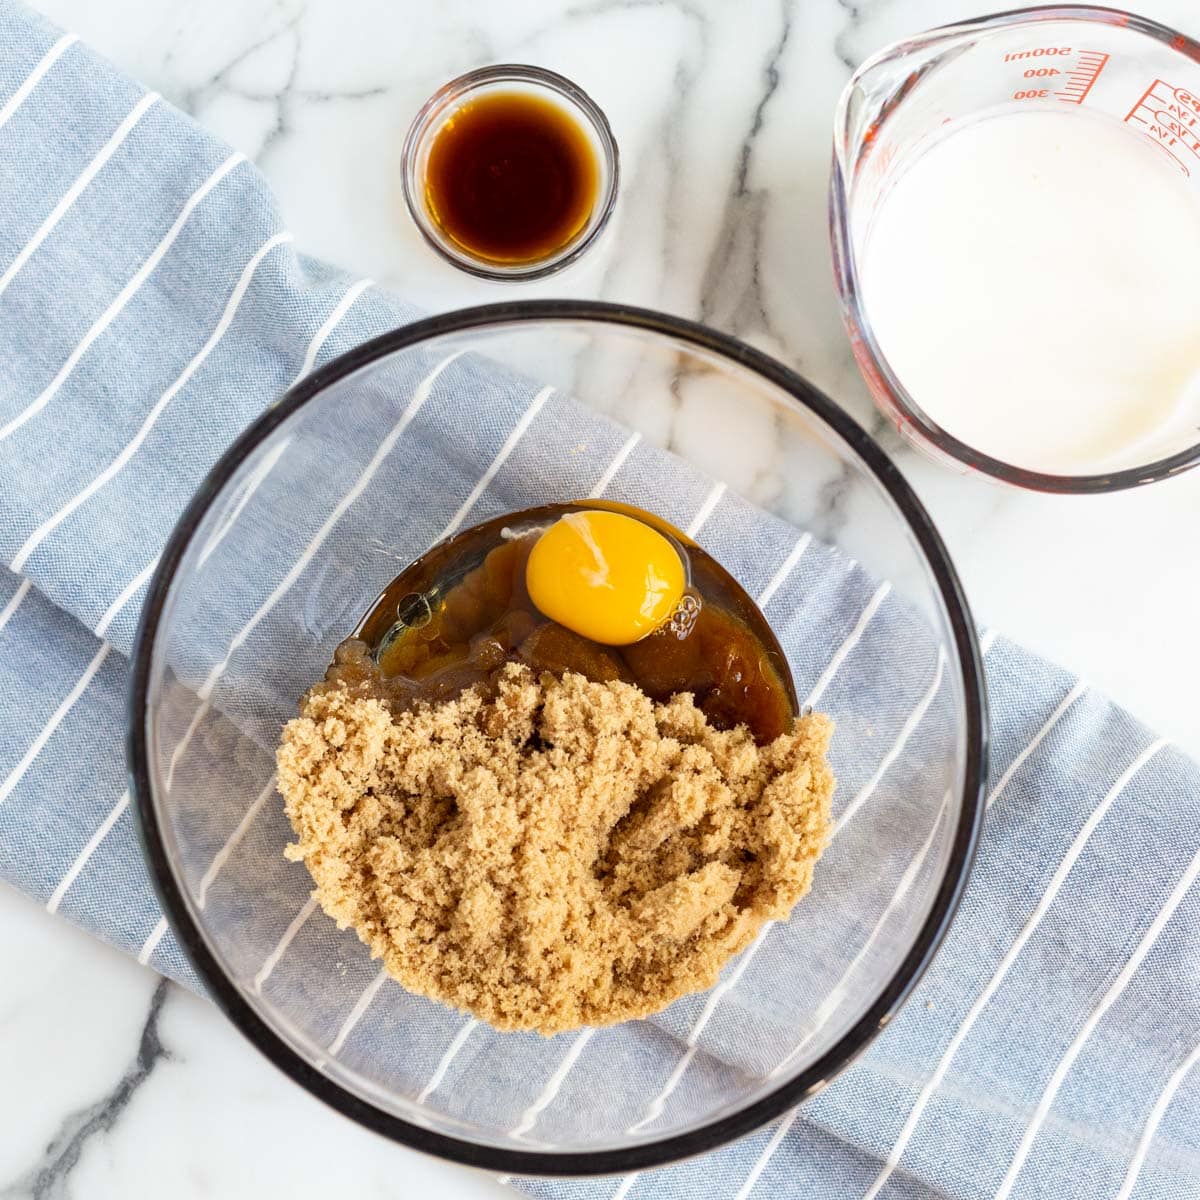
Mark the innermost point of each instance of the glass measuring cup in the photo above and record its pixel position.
(1067, 58)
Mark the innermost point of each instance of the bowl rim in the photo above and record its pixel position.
(712, 1134)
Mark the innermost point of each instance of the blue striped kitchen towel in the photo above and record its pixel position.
(151, 305)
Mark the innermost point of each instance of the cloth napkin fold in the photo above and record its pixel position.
(151, 304)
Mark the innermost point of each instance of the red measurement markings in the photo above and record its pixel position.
(880, 161)
(1046, 66)
(1170, 117)
(1081, 77)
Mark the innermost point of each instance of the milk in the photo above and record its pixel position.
(1033, 278)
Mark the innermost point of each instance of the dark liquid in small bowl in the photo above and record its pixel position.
(457, 615)
(511, 177)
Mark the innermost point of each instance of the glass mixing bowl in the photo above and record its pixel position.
(445, 423)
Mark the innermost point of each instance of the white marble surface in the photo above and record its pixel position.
(722, 111)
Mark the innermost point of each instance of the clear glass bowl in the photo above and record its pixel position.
(445, 423)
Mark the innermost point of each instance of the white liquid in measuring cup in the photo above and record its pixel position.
(1033, 278)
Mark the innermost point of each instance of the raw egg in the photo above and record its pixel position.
(605, 576)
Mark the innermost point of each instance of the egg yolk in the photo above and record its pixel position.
(605, 576)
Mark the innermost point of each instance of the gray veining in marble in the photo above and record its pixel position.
(49, 1177)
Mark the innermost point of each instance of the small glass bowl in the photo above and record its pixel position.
(508, 77)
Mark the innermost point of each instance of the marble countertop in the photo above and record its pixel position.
(723, 115)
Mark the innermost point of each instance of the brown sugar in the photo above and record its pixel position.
(552, 852)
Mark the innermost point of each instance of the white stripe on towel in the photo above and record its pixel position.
(340, 310)
(35, 76)
(851, 641)
(151, 943)
(706, 509)
(123, 297)
(981, 1002)
(14, 602)
(1070, 698)
(553, 1085)
(14, 776)
(360, 1007)
(38, 536)
(253, 482)
(510, 444)
(222, 855)
(297, 923)
(1152, 1122)
(610, 472)
(126, 594)
(73, 872)
(654, 1111)
(114, 815)
(765, 1157)
(785, 569)
(1127, 972)
(624, 1186)
(73, 192)
(460, 1040)
(906, 731)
